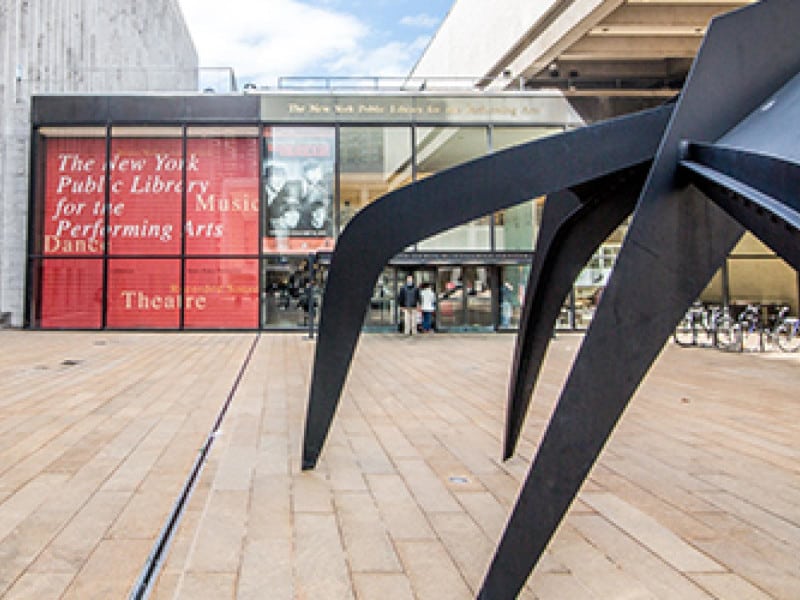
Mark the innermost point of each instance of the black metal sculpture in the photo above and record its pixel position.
(448, 199)
(728, 158)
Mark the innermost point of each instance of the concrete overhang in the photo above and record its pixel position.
(598, 47)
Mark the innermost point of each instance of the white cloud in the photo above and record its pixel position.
(264, 39)
(394, 59)
(423, 21)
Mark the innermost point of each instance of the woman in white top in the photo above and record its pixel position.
(427, 302)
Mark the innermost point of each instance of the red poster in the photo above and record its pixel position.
(144, 293)
(71, 293)
(146, 190)
(74, 196)
(221, 293)
(298, 189)
(297, 245)
(222, 196)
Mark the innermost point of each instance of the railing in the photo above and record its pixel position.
(408, 83)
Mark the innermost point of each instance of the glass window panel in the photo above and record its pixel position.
(74, 196)
(381, 305)
(298, 174)
(517, 227)
(450, 298)
(593, 278)
(146, 193)
(144, 293)
(222, 195)
(513, 280)
(479, 297)
(222, 131)
(221, 293)
(71, 293)
(506, 137)
(373, 161)
(286, 281)
(147, 132)
(439, 148)
(99, 132)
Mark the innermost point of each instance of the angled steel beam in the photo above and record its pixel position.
(753, 172)
(574, 224)
(676, 242)
(769, 219)
(441, 202)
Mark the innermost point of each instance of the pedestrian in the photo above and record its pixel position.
(506, 304)
(408, 300)
(427, 302)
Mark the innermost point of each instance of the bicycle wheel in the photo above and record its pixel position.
(684, 333)
(703, 336)
(788, 336)
(750, 338)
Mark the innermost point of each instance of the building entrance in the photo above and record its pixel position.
(285, 293)
(464, 298)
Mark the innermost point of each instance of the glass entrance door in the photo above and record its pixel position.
(464, 297)
(421, 275)
(381, 314)
(449, 298)
(479, 313)
(284, 303)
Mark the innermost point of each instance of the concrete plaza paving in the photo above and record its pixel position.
(697, 495)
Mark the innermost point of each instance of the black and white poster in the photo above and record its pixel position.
(298, 188)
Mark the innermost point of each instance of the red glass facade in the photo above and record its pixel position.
(74, 197)
(181, 220)
(146, 191)
(144, 293)
(71, 293)
(221, 291)
(222, 200)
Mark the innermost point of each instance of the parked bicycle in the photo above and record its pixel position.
(750, 331)
(714, 326)
(787, 331)
(701, 326)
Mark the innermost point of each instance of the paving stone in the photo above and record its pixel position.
(320, 568)
(35, 586)
(403, 517)
(432, 573)
(366, 541)
(695, 496)
(382, 586)
(660, 540)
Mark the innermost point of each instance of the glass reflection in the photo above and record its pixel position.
(439, 148)
(517, 227)
(373, 161)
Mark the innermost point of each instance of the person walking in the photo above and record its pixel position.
(408, 300)
(427, 303)
(506, 305)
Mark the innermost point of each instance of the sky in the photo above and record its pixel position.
(266, 39)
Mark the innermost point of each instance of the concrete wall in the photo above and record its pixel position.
(475, 36)
(49, 46)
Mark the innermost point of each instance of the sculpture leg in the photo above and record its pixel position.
(448, 199)
(676, 242)
(574, 224)
(645, 298)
